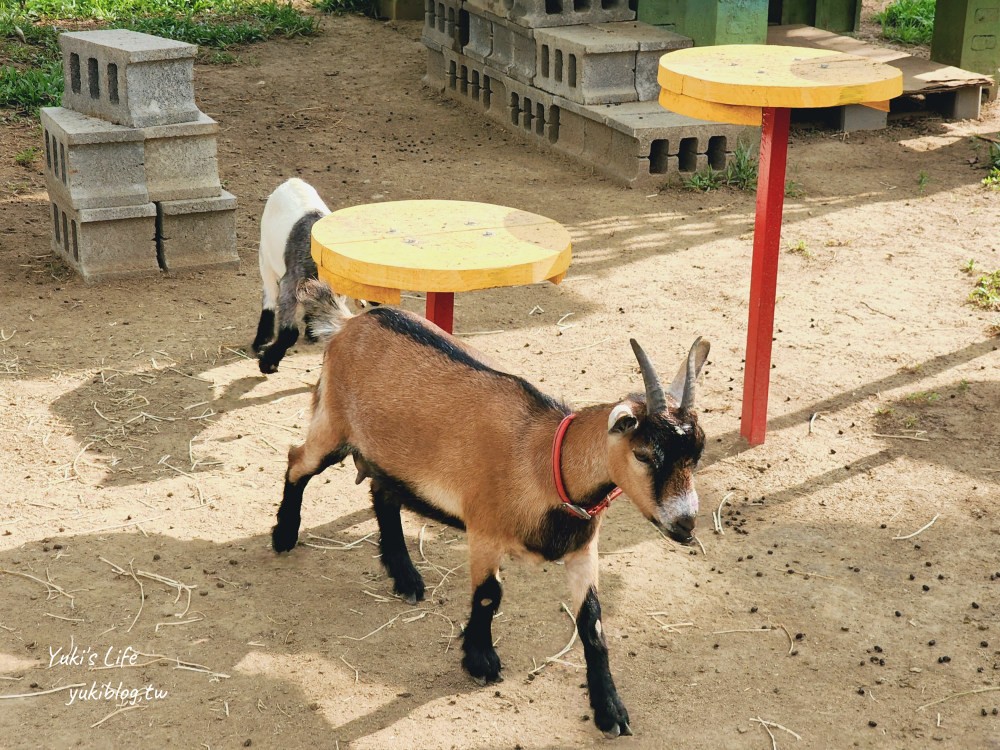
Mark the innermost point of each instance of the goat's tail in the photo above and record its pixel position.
(325, 312)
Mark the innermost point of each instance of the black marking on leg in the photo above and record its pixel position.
(395, 557)
(610, 715)
(265, 330)
(272, 355)
(481, 659)
(285, 534)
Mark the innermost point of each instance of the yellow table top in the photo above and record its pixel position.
(731, 83)
(375, 250)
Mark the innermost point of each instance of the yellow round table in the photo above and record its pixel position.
(753, 84)
(376, 250)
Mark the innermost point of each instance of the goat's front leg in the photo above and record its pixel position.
(288, 329)
(481, 660)
(610, 714)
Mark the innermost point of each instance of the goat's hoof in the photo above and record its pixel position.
(483, 666)
(612, 719)
(267, 366)
(412, 590)
(284, 539)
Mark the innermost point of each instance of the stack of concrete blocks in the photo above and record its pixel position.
(576, 76)
(130, 161)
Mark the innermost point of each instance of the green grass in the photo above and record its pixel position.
(741, 172)
(986, 294)
(908, 21)
(30, 61)
(26, 157)
(340, 7)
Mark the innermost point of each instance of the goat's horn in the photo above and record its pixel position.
(696, 358)
(655, 400)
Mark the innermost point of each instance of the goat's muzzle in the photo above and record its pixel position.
(681, 529)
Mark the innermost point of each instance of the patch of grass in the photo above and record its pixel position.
(27, 157)
(992, 179)
(705, 180)
(987, 292)
(340, 7)
(30, 59)
(25, 91)
(969, 266)
(908, 21)
(925, 396)
(799, 248)
(742, 169)
(793, 189)
(922, 179)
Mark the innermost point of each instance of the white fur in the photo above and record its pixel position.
(286, 205)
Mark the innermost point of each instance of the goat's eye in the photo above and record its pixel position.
(643, 458)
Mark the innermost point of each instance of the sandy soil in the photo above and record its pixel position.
(136, 436)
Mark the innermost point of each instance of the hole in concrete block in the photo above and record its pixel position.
(440, 17)
(48, 152)
(553, 7)
(62, 161)
(717, 152)
(545, 60)
(93, 78)
(476, 88)
(515, 109)
(487, 91)
(55, 223)
(55, 158)
(633, 5)
(451, 74)
(687, 158)
(76, 246)
(463, 27)
(74, 72)
(553, 123)
(658, 156)
(581, 4)
(429, 6)
(559, 66)
(539, 119)
(528, 113)
(113, 83)
(571, 77)
(65, 234)
(465, 80)
(607, 4)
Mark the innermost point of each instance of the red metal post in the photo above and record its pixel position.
(441, 309)
(764, 271)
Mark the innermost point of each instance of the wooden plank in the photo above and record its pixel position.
(919, 76)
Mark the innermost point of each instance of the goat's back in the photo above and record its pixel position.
(289, 202)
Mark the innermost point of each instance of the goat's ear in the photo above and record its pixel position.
(680, 389)
(622, 419)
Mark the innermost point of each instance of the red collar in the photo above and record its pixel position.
(568, 505)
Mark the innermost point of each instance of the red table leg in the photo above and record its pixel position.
(441, 309)
(764, 271)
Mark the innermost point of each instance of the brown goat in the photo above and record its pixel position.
(443, 433)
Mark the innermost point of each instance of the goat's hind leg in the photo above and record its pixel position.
(288, 327)
(386, 497)
(481, 660)
(321, 450)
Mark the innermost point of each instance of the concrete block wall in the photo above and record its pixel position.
(130, 162)
(636, 144)
(441, 24)
(537, 14)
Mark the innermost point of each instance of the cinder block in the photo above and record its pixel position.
(478, 28)
(90, 163)
(537, 14)
(967, 104)
(434, 78)
(570, 132)
(857, 117)
(198, 233)
(603, 63)
(475, 83)
(105, 243)
(441, 24)
(513, 52)
(128, 78)
(181, 161)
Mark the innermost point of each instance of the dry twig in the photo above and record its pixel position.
(922, 528)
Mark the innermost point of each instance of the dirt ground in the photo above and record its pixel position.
(137, 436)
